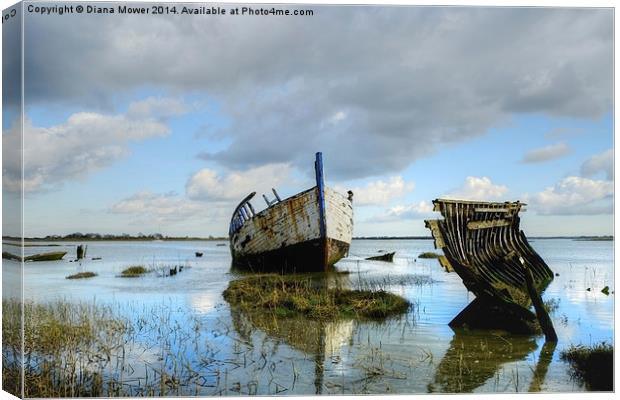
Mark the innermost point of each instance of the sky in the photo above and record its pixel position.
(142, 124)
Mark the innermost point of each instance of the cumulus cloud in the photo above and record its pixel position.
(603, 162)
(574, 196)
(84, 143)
(379, 192)
(391, 87)
(166, 207)
(207, 184)
(419, 210)
(478, 188)
(546, 153)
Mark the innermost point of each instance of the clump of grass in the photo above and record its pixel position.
(82, 275)
(134, 271)
(429, 254)
(593, 365)
(58, 339)
(288, 296)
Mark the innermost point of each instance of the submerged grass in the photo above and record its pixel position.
(134, 271)
(82, 275)
(592, 364)
(291, 296)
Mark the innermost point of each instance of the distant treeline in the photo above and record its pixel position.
(584, 238)
(77, 236)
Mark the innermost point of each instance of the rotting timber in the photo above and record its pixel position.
(483, 244)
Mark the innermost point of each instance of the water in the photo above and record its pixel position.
(418, 352)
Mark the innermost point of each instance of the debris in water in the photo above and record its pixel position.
(51, 256)
(388, 257)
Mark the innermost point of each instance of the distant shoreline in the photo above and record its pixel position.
(6, 239)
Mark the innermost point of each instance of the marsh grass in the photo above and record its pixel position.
(82, 275)
(58, 338)
(168, 269)
(92, 350)
(592, 364)
(134, 271)
(288, 296)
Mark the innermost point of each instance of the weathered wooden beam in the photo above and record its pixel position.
(543, 317)
(491, 210)
(473, 225)
(433, 225)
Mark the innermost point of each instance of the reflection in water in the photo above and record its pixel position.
(474, 357)
(544, 359)
(317, 338)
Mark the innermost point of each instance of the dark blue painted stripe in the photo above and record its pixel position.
(320, 184)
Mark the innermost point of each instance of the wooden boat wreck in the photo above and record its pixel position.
(51, 256)
(307, 232)
(483, 244)
(387, 257)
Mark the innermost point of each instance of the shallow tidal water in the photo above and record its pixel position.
(238, 354)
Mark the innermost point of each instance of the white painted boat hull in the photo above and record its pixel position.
(287, 236)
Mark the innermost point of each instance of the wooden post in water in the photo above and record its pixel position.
(80, 252)
(541, 313)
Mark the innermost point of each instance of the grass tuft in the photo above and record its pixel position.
(82, 275)
(593, 365)
(134, 271)
(288, 296)
(429, 254)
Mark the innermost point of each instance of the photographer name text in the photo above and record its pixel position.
(159, 9)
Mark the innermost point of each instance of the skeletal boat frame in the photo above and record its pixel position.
(483, 244)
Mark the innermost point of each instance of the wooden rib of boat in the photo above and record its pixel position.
(483, 244)
(389, 257)
(309, 231)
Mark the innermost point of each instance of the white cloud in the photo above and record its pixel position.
(603, 162)
(419, 210)
(478, 188)
(379, 192)
(166, 207)
(207, 184)
(84, 143)
(574, 196)
(546, 153)
(391, 72)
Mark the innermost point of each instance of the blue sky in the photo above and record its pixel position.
(162, 126)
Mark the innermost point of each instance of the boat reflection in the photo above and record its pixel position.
(475, 357)
(320, 339)
(316, 338)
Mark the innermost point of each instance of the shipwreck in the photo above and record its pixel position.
(483, 244)
(307, 232)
